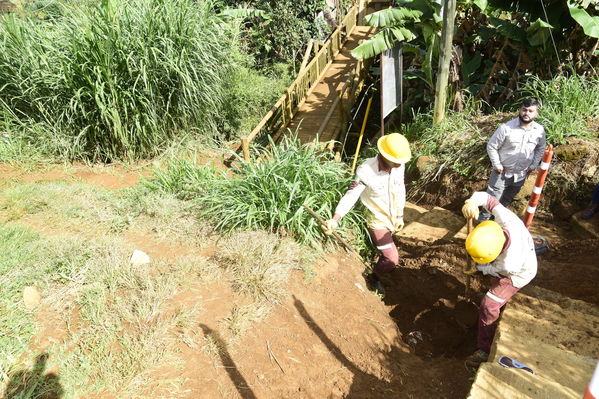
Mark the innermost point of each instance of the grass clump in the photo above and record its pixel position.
(184, 179)
(243, 317)
(260, 263)
(269, 193)
(569, 103)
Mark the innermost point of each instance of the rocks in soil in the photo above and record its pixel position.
(140, 258)
(31, 297)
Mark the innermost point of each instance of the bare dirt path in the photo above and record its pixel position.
(330, 337)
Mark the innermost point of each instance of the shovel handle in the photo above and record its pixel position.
(336, 235)
(469, 268)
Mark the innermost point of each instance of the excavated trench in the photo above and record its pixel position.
(427, 294)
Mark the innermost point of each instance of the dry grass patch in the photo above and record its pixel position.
(259, 263)
(91, 208)
(244, 316)
(124, 329)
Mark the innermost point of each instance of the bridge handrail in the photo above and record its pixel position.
(279, 116)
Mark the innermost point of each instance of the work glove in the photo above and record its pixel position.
(329, 226)
(470, 209)
(487, 268)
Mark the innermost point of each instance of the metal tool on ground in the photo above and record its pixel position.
(339, 239)
(469, 268)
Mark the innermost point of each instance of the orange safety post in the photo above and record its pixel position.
(592, 391)
(536, 191)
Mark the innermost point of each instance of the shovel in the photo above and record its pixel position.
(337, 237)
(469, 267)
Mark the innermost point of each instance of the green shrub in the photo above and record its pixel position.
(269, 192)
(568, 104)
(119, 80)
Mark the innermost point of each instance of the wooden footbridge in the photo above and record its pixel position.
(317, 104)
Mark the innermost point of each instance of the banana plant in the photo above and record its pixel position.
(590, 25)
(393, 28)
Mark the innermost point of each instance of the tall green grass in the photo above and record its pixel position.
(268, 193)
(568, 104)
(119, 79)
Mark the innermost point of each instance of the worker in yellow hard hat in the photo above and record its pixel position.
(380, 187)
(504, 249)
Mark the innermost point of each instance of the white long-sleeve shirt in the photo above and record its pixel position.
(518, 259)
(516, 149)
(382, 191)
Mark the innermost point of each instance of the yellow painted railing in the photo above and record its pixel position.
(285, 108)
(281, 114)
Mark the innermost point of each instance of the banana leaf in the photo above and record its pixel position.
(590, 25)
(392, 16)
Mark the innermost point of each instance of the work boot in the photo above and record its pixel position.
(475, 359)
(589, 211)
(376, 285)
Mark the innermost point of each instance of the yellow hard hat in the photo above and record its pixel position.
(485, 242)
(395, 148)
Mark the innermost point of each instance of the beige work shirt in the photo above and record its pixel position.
(382, 191)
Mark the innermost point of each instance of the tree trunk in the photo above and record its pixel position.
(449, 10)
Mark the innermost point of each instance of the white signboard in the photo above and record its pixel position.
(391, 85)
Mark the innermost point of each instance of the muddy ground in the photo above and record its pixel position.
(332, 337)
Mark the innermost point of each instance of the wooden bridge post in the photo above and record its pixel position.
(245, 145)
(288, 106)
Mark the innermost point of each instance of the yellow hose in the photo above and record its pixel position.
(353, 166)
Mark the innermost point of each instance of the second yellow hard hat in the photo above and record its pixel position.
(485, 242)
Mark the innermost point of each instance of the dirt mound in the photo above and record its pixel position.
(571, 268)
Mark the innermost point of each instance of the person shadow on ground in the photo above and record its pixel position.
(237, 378)
(34, 383)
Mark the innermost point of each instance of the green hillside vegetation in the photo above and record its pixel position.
(121, 80)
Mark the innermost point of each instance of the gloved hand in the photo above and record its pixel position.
(470, 209)
(329, 226)
(487, 268)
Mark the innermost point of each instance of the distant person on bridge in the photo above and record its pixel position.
(380, 186)
(515, 150)
(503, 249)
(592, 209)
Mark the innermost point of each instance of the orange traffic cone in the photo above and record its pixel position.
(592, 391)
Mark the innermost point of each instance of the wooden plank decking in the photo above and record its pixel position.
(313, 111)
